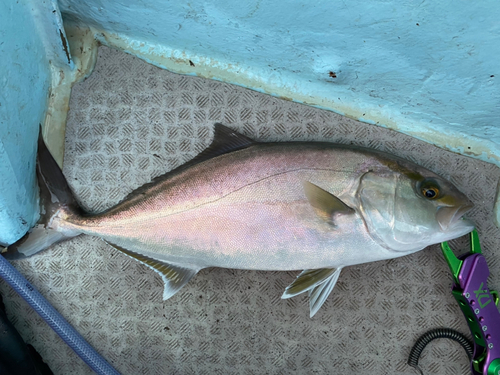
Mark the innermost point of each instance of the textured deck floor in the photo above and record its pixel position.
(130, 122)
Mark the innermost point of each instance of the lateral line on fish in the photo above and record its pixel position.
(130, 220)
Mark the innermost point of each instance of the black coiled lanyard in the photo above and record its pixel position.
(439, 333)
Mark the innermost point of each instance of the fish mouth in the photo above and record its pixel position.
(449, 217)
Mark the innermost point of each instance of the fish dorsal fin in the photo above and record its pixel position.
(326, 204)
(318, 282)
(174, 277)
(225, 141)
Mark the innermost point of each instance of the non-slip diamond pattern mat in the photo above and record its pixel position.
(129, 122)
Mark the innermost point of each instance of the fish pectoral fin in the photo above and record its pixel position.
(307, 280)
(326, 204)
(318, 294)
(174, 276)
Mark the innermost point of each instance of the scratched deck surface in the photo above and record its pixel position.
(130, 122)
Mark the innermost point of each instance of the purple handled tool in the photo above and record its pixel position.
(478, 304)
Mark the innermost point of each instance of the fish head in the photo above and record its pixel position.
(407, 208)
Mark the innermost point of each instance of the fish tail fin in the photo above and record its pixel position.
(56, 203)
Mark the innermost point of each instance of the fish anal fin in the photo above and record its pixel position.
(325, 204)
(174, 276)
(307, 280)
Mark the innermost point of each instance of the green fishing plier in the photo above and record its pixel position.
(479, 305)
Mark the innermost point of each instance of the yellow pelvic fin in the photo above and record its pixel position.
(307, 280)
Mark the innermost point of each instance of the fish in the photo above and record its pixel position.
(314, 207)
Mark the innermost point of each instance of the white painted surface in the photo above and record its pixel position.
(31, 47)
(429, 69)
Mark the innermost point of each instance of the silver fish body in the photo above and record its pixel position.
(245, 210)
(276, 206)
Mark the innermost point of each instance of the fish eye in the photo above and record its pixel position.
(430, 190)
